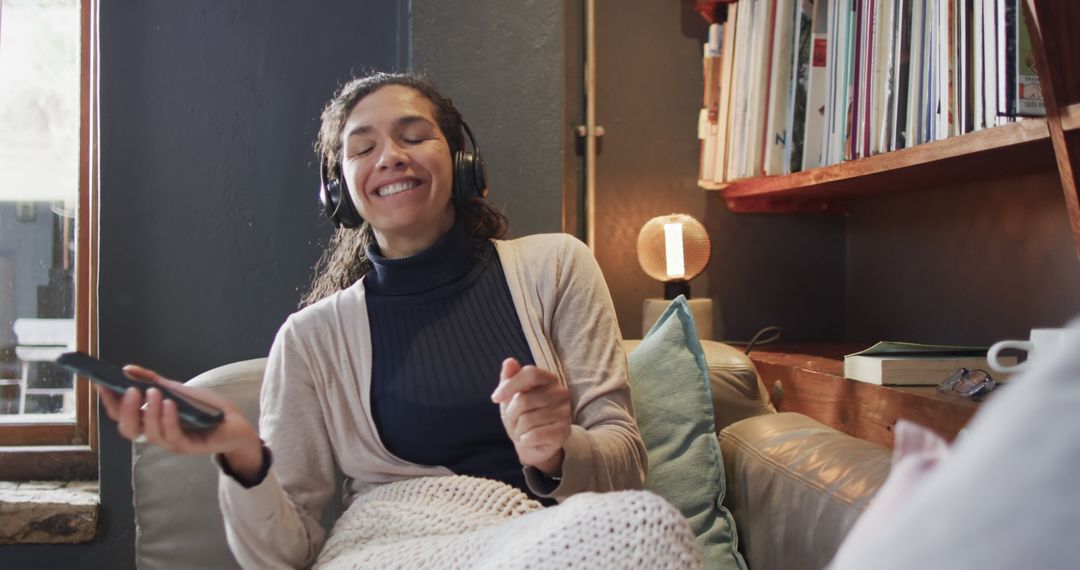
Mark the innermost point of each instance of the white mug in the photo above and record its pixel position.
(1042, 343)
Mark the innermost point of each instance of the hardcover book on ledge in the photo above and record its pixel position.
(910, 364)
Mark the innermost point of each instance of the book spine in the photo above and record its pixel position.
(1009, 82)
(777, 130)
(801, 71)
(721, 173)
(1029, 95)
(903, 58)
(817, 90)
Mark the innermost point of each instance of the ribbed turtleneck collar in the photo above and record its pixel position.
(445, 261)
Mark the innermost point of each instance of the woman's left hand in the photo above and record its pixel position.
(535, 410)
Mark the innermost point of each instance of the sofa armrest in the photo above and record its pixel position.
(737, 391)
(796, 486)
(178, 522)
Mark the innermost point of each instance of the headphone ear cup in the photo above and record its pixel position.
(479, 168)
(336, 202)
(469, 177)
(461, 180)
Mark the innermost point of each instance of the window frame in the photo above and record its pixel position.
(65, 450)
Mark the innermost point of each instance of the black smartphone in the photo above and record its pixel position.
(193, 414)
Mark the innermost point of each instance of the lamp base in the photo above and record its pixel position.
(701, 309)
(673, 289)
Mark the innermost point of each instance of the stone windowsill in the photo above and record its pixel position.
(48, 512)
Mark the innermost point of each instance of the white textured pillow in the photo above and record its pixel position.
(917, 451)
(1006, 497)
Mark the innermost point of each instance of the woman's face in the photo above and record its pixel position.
(397, 165)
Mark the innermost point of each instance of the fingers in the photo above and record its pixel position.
(546, 438)
(161, 423)
(162, 426)
(173, 437)
(523, 380)
(129, 418)
(548, 396)
(535, 410)
(510, 367)
(148, 413)
(152, 415)
(201, 395)
(556, 413)
(542, 447)
(110, 401)
(552, 431)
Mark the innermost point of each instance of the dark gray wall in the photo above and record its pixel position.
(208, 220)
(765, 270)
(969, 263)
(503, 64)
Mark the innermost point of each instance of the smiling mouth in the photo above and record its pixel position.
(396, 188)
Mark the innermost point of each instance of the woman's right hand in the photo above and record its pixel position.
(158, 420)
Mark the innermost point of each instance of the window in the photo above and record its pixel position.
(47, 198)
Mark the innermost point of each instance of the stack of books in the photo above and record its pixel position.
(904, 363)
(796, 84)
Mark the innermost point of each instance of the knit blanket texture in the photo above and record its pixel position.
(467, 522)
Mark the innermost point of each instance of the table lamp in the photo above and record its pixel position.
(674, 249)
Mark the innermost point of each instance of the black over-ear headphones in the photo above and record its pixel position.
(470, 179)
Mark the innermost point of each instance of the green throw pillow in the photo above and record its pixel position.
(669, 383)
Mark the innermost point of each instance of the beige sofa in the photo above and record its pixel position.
(794, 486)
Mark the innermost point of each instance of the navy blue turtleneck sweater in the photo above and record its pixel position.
(442, 321)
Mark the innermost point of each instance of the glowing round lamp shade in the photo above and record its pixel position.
(673, 249)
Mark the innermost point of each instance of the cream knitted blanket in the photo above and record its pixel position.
(466, 522)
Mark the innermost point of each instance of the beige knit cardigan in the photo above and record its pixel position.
(316, 404)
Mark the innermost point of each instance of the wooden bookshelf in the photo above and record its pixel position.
(1039, 144)
(1023, 145)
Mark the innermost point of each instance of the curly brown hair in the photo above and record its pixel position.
(345, 261)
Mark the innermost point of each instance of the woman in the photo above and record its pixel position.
(428, 345)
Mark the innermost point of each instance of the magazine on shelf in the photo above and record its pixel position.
(989, 21)
(902, 55)
(817, 89)
(759, 97)
(740, 97)
(1007, 58)
(781, 58)
(724, 104)
(882, 88)
(1029, 98)
(798, 111)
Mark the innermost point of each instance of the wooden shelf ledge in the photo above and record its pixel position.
(1019, 147)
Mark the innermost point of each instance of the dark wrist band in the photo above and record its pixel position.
(267, 459)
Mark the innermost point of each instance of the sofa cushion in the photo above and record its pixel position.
(796, 486)
(669, 384)
(737, 391)
(178, 523)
